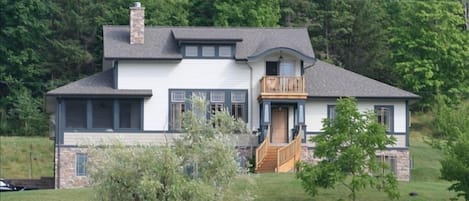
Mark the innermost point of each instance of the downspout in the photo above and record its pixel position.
(57, 142)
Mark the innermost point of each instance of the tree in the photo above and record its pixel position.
(429, 49)
(200, 166)
(363, 49)
(348, 146)
(253, 13)
(452, 125)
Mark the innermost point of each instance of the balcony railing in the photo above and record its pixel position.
(272, 86)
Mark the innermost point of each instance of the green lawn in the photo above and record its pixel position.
(15, 160)
(280, 187)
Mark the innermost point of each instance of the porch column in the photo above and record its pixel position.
(265, 119)
(301, 119)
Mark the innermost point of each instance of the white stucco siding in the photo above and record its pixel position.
(187, 74)
(399, 120)
(316, 110)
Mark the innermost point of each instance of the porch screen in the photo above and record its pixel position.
(129, 114)
(102, 113)
(75, 114)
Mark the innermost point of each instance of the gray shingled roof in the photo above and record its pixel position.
(162, 42)
(99, 84)
(327, 80)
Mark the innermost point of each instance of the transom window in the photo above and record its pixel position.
(384, 116)
(103, 114)
(232, 101)
(208, 51)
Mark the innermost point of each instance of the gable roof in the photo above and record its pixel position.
(327, 80)
(164, 42)
(99, 85)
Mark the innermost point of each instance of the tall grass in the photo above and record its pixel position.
(26, 157)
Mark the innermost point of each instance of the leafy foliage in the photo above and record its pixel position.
(430, 49)
(200, 166)
(348, 147)
(453, 127)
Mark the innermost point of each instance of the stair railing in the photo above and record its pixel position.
(261, 151)
(289, 152)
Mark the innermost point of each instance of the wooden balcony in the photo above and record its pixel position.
(282, 87)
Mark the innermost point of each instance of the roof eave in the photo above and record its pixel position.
(306, 58)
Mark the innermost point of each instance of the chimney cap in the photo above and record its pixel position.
(137, 4)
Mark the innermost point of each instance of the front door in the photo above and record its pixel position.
(279, 125)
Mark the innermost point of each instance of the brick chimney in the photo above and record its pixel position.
(137, 24)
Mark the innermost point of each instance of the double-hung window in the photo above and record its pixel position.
(178, 107)
(238, 105)
(385, 116)
(233, 102)
(217, 101)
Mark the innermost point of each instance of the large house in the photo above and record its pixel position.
(268, 77)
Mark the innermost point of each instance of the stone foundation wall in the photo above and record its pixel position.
(402, 161)
(65, 171)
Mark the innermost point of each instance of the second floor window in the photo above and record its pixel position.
(208, 51)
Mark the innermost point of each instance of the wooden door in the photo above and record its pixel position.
(279, 125)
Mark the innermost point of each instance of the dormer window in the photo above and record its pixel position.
(208, 51)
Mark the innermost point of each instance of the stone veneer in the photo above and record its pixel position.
(402, 161)
(65, 175)
(137, 24)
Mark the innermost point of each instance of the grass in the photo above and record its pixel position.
(15, 160)
(280, 187)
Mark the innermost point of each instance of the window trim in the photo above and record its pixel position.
(115, 115)
(78, 164)
(391, 116)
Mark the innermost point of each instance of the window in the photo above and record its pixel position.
(208, 51)
(234, 101)
(191, 51)
(225, 51)
(385, 117)
(102, 113)
(217, 101)
(80, 165)
(331, 114)
(287, 68)
(389, 162)
(238, 99)
(99, 114)
(75, 114)
(130, 114)
(178, 107)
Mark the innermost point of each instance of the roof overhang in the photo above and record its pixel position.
(305, 58)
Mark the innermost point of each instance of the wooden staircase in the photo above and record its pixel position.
(269, 164)
(270, 158)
